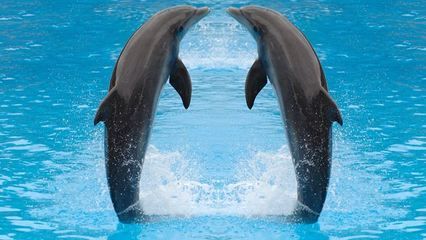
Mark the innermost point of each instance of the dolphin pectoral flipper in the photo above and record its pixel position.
(256, 80)
(105, 107)
(181, 81)
(333, 113)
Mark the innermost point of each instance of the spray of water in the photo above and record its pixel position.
(170, 187)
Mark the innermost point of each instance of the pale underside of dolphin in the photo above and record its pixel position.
(148, 60)
(287, 59)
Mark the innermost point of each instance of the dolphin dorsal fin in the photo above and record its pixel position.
(181, 81)
(105, 107)
(332, 111)
(256, 80)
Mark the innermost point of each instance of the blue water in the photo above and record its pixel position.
(217, 169)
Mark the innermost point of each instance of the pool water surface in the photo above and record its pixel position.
(217, 170)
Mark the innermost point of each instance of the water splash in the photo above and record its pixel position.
(266, 186)
(171, 186)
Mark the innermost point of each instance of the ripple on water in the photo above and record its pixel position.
(266, 186)
(28, 225)
(8, 209)
(408, 146)
(29, 148)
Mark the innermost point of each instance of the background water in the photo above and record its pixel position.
(217, 169)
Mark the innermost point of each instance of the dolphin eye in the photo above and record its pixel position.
(256, 29)
(180, 29)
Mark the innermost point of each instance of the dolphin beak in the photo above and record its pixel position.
(199, 14)
(238, 15)
(235, 13)
(202, 12)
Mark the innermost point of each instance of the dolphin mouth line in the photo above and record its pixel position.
(129, 208)
(235, 12)
(203, 11)
(198, 14)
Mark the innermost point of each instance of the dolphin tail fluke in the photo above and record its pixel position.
(104, 107)
(181, 81)
(333, 112)
(256, 80)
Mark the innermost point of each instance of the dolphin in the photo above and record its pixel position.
(287, 59)
(149, 58)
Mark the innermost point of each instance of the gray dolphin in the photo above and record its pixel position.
(149, 58)
(292, 66)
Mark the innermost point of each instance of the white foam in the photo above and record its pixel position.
(170, 186)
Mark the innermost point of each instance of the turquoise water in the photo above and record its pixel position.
(217, 169)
